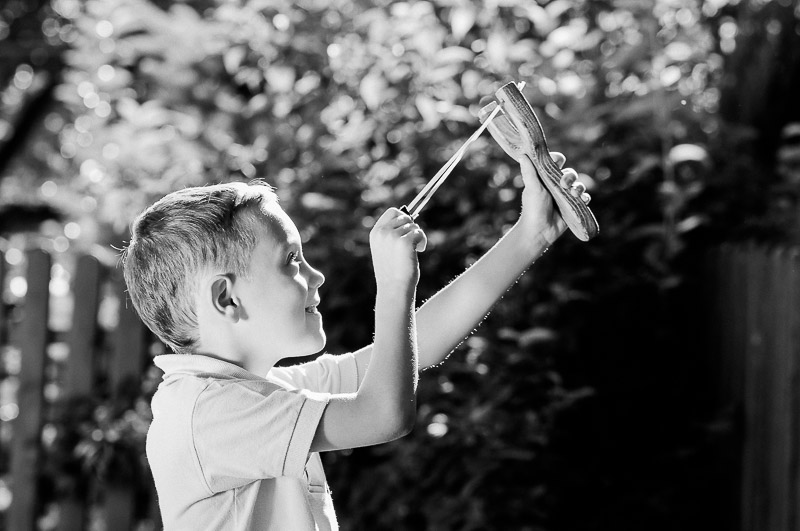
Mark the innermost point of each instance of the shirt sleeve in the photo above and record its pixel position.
(334, 374)
(246, 431)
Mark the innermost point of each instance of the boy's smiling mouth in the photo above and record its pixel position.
(312, 308)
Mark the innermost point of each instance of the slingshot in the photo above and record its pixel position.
(519, 133)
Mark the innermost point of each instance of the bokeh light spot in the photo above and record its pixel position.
(281, 22)
(72, 230)
(23, 78)
(106, 73)
(14, 256)
(18, 287)
(438, 426)
(48, 189)
(9, 412)
(104, 29)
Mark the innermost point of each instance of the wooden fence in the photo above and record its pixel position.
(756, 346)
(99, 365)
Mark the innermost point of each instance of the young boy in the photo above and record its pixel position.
(218, 274)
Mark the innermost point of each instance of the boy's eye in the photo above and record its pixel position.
(293, 257)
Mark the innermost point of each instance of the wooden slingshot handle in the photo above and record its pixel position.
(519, 133)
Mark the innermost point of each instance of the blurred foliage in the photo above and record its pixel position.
(582, 402)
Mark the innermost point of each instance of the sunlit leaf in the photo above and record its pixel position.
(462, 18)
(315, 201)
(372, 90)
(688, 153)
(569, 35)
(454, 54)
(497, 48)
(427, 109)
(691, 223)
(537, 335)
(541, 19)
(232, 59)
(678, 51)
(280, 78)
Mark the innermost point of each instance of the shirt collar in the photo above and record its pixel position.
(203, 366)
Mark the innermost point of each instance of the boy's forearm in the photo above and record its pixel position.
(391, 378)
(448, 317)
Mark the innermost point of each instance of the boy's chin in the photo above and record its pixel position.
(322, 342)
(316, 344)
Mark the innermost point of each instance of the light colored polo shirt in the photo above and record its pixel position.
(229, 450)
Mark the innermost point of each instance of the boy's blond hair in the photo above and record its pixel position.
(188, 232)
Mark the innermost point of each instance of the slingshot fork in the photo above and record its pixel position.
(415, 206)
(514, 125)
(519, 133)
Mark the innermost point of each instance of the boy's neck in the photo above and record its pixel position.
(256, 366)
(207, 354)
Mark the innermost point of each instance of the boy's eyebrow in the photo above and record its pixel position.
(290, 244)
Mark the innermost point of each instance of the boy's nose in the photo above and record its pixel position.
(315, 278)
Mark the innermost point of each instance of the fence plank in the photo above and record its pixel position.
(119, 508)
(716, 367)
(722, 318)
(786, 310)
(776, 389)
(80, 371)
(750, 264)
(722, 371)
(3, 325)
(25, 446)
(153, 509)
(125, 371)
(794, 423)
(79, 378)
(130, 349)
(784, 280)
(755, 333)
(731, 313)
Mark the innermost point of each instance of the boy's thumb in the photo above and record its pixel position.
(529, 175)
(422, 243)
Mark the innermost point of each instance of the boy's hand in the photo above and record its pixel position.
(539, 213)
(394, 241)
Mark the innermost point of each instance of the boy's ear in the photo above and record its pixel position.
(222, 297)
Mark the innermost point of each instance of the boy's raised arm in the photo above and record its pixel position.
(453, 313)
(384, 408)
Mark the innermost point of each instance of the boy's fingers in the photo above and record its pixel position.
(586, 198)
(413, 232)
(558, 158)
(404, 225)
(569, 181)
(393, 218)
(401, 220)
(577, 189)
(568, 178)
(388, 215)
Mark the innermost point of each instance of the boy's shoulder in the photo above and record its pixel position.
(198, 379)
(215, 408)
(200, 401)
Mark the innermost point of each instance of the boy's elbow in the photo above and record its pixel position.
(401, 421)
(388, 417)
(409, 420)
